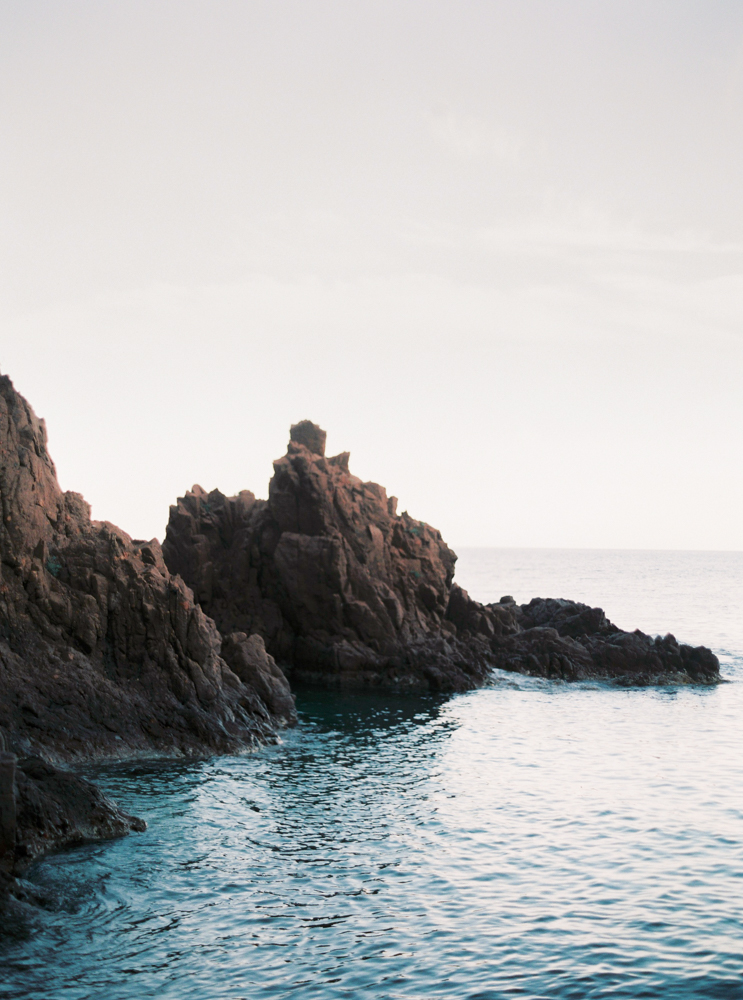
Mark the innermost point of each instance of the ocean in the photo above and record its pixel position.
(532, 839)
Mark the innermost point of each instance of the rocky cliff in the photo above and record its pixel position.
(103, 652)
(345, 592)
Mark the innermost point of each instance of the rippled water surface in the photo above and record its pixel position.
(533, 839)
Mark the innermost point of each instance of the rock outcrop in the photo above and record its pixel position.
(565, 640)
(43, 808)
(342, 589)
(344, 592)
(55, 809)
(103, 652)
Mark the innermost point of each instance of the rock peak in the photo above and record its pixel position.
(81, 592)
(310, 435)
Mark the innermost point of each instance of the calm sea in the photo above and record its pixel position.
(533, 839)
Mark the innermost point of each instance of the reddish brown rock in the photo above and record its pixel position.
(346, 592)
(343, 590)
(102, 651)
(56, 809)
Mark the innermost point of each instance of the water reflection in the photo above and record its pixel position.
(508, 842)
(372, 714)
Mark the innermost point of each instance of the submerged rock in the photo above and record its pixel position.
(347, 593)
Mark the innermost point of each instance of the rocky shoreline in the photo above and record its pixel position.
(346, 593)
(112, 647)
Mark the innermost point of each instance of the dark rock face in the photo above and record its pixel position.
(248, 659)
(56, 809)
(569, 641)
(345, 592)
(310, 435)
(43, 808)
(102, 651)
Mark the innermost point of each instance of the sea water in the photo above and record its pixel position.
(532, 839)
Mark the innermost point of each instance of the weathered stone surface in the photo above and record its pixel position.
(102, 651)
(566, 640)
(248, 659)
(345, 592)
(43, 808)
(56, 809)
(309, 435)
(8, 809)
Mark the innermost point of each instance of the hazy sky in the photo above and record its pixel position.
(494, 248)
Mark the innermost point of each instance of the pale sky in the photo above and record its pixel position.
(494, 248)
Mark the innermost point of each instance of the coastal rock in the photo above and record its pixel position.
(247, 657)
(345, 592)
(103, 652)
(56, 809)
(627, 658)
(565, 640)
(42, 809)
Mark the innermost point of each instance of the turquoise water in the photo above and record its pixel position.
(532, 839)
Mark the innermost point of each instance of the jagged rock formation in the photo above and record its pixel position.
(102, 651)
(341, 589)
(105, 652)
(346, 592)
(569, 641)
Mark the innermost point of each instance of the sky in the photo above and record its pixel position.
(494, 248)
